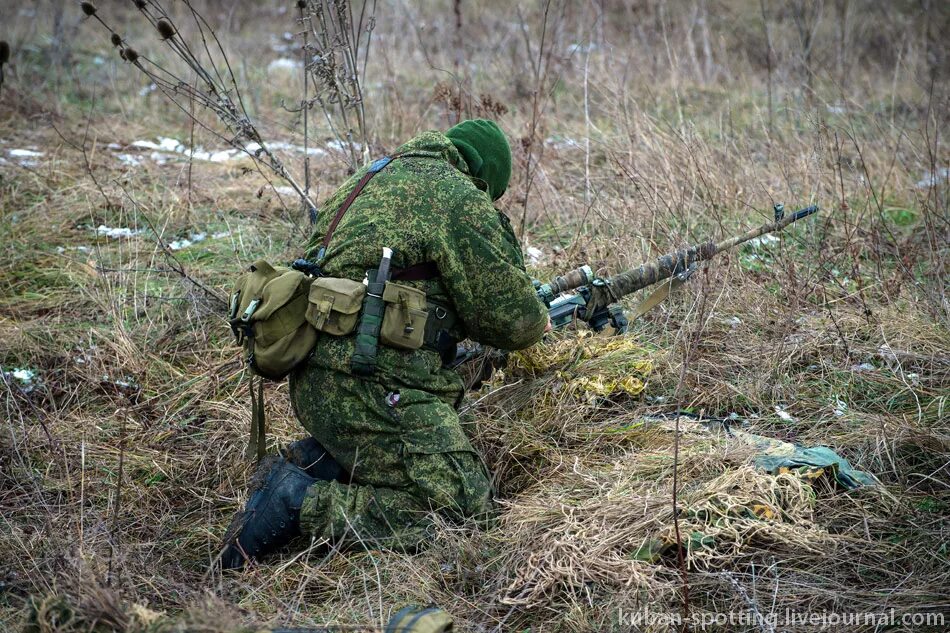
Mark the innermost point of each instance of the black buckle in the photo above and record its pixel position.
(307, 267)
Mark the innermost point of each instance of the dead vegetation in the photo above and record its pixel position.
(637, 128)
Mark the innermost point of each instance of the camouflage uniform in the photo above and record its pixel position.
(407, 453)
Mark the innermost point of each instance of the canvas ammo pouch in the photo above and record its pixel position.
(268, 317)
(333, 305)
(404, 319)
(268, 308)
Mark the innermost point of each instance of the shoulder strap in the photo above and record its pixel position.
(377, 166)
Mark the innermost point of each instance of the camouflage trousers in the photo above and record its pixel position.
(406, 454)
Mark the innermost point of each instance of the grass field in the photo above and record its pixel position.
(637, 128)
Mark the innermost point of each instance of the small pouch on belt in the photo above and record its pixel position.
(404, 321)
(334, 305)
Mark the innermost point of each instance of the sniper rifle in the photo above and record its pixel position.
(595, 300)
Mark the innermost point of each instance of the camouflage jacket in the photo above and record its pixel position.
(426, 208)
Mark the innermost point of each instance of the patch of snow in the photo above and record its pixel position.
(733, 321)
(127, 383)
(342, 146)
(145, 145)
(535, 255)
(581, 48)
(561, 142)
(24, 379)
(763, 240)
(863, 367)
(285, 190)
(221, 156)
(129, 159)
(283, 64)
(933, 179)
(177, 245)
(165, 146)
(24, 153)
(117, 232)
(63, 249)
(290, 147)
(146, 90)
(840, 407)
(195, 238)
(782, 413)
(171, 144)
(98, 60)
(24, 375)
(836, 108)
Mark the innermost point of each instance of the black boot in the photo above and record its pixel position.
(272, 515)
(310, 455)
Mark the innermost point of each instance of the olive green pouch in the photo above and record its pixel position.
(334, 305)
(268, 307)
(404, 321)
(268, 317)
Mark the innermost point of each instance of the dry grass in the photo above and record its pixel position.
(120, 468)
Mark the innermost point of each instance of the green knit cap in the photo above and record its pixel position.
(485, 149)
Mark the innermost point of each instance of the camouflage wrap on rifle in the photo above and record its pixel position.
(619, 286)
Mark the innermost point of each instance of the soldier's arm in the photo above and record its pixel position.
(482, 268)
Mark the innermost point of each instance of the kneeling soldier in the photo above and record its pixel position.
(386, 447)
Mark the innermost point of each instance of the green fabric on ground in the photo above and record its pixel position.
(777, 455)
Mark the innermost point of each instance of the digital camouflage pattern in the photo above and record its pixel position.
(398, 433)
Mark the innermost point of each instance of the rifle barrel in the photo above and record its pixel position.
(679, 261)
(769, 227)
